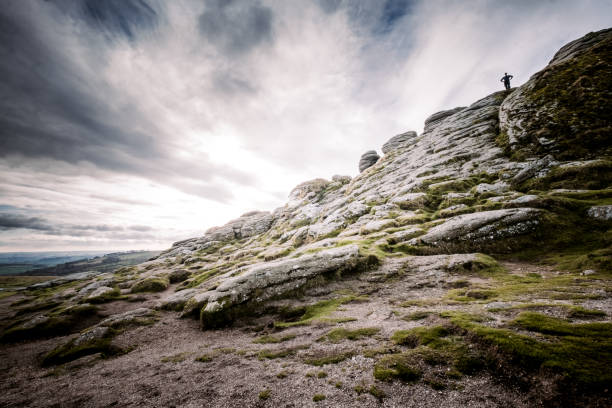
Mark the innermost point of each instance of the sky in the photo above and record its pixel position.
(131, 124)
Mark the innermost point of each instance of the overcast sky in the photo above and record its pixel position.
(130, 124)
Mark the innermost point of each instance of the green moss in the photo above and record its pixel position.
(54, 326)
(592, 176)
(107, 297)
(321, 374)
(329, 358)
(268, 339)
(397, 366)
(318, 397)
(578, 312)
(272, 354)
(579, 352)
(317, 311)
(264, 395)
(377, 393)
(175, 358)
(154, 284)
(205, 358)
(577, 99)
(432, 336)
(6, 294)
(71, 351)
(420, 315)
(337, 335)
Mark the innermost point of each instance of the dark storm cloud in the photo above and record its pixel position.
(10, 221)
(55, 105)
(17, 220)
(236, 26)
(124, 16)
(376, 16)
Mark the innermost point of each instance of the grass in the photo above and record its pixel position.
(272, 354)
(581, 353)
(397, 366)
(20, 281)
(337, 335)
(176, 358)
(269, 339)
(318, 311)
(377, 393)
(419, 315)
(205, 358)
(318, 397)
(330, 358)
(264, 395)
(155, 284)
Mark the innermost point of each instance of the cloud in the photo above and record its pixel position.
(235, 26)
(17, 221)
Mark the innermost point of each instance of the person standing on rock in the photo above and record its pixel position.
(506, 80)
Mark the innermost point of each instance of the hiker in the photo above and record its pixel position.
(506, 80)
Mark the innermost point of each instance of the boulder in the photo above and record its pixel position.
(138, 316)
(563, 109)
(600, 212)
(399, 141)
(481, 229)
(179, 275)
(101, 293)
(256, 283)
(435, 119)
(368, 159)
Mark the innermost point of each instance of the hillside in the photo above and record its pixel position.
(470, 265)
(104, 263)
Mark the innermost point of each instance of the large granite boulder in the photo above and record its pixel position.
(368, 159)
(434, 120)
(257, 283)
(481, 229)
(399, 141)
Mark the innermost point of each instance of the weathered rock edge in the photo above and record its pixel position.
(241, 294)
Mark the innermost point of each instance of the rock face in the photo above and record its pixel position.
(469, 231)
(432, 121)
(457, 187)
(562, 110)
(368, 159)
(263, 281)
(400, 141)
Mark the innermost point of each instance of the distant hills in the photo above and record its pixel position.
(64, 263)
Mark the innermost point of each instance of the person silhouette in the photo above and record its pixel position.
(506, 80)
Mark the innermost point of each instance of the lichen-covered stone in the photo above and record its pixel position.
(470, 231)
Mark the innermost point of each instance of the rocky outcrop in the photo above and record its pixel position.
(263, 281)
(432, 121)
(400, 141)
(248, 225)
(368, 159)
(478, 230)
(562, 110)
